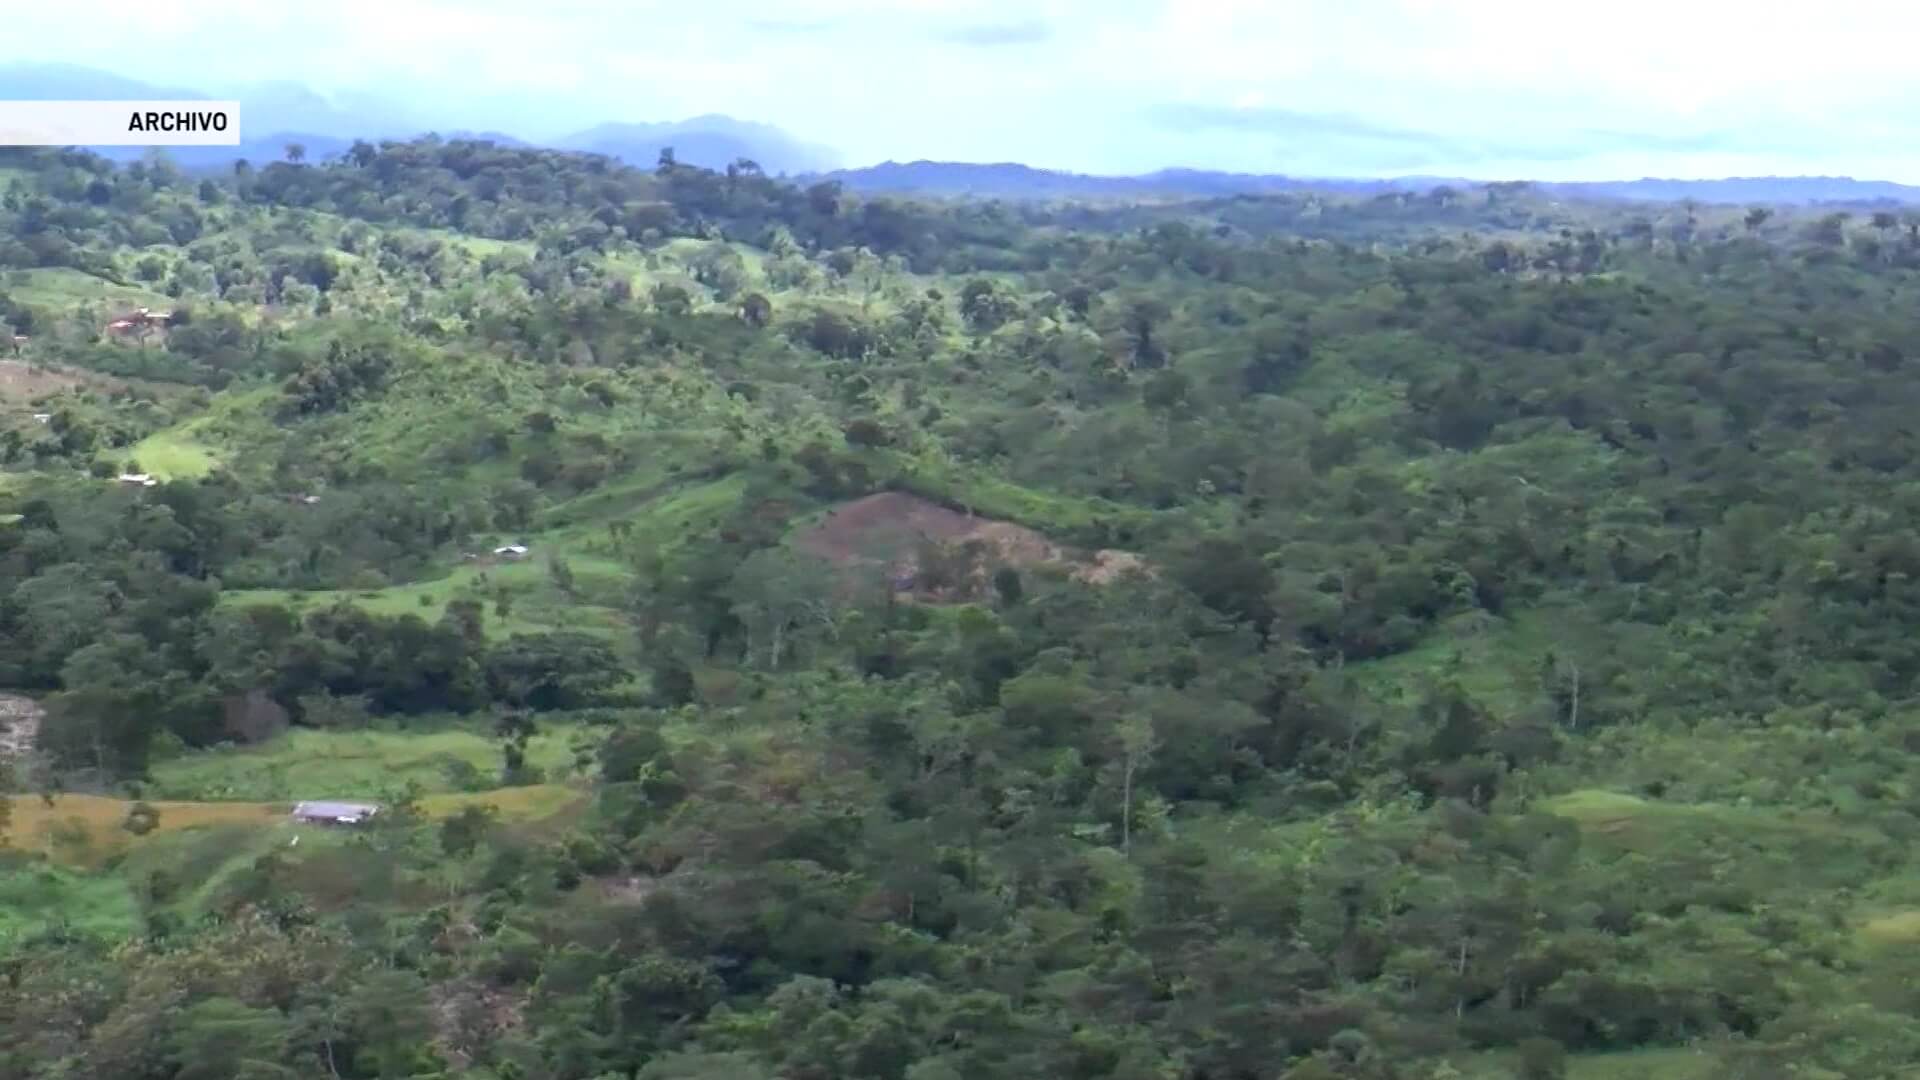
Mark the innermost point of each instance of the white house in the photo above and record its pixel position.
(511, 551)
(141, 479)
(334, 813)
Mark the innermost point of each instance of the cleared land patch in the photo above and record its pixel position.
(1894, 928)
(536, 605)
(1496, 660)
(667, 516)
(174, 455)
(88, 830)
(1750, 848)
(309, 764)
(897, 533)
(1637, 823)
(62, 288)
(23, 380)
(37, 896)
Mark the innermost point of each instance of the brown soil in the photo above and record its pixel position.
(21, 381)
(1108, 565)
(878, 524)
(884, 533)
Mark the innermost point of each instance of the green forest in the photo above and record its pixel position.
(798, 636)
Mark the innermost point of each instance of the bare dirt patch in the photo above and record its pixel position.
(936, 553)
(1108, 565)
(24, 381)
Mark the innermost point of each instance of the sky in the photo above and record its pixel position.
(1486, 89)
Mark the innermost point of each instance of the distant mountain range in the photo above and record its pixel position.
(1750, 189)
(708, 141)
(1013, 181)
(289, 113)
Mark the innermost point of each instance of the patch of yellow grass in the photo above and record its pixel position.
(1894, 928)
(535, 802)
(1612, 813)
(88, 830)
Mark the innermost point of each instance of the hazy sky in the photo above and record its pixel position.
(1484, 88)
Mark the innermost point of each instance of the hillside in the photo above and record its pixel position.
(798, 633)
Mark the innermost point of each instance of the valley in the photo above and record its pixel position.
(792, 632)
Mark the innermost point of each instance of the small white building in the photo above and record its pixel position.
(511, 551)
(334, 813)
(42, 417)
(138, 479)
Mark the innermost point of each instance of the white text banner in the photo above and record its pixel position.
(119, 123)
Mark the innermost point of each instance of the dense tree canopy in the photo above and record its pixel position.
(1513, 673)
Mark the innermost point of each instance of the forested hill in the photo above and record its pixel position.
(793, 634)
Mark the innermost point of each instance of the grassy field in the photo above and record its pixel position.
(1767, 851)
(1497, 661)
(85, 885)
(198, 445)
(478, 246)
(36, 896)
(536, 605)
(1049, 512)
(672, 266)
(309, 764)
(173, 454)
(1895, 928)
(665, 518)
(1819, 851)
(661, 511)
(87, 831)
(61, 289)
(1637, 823)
